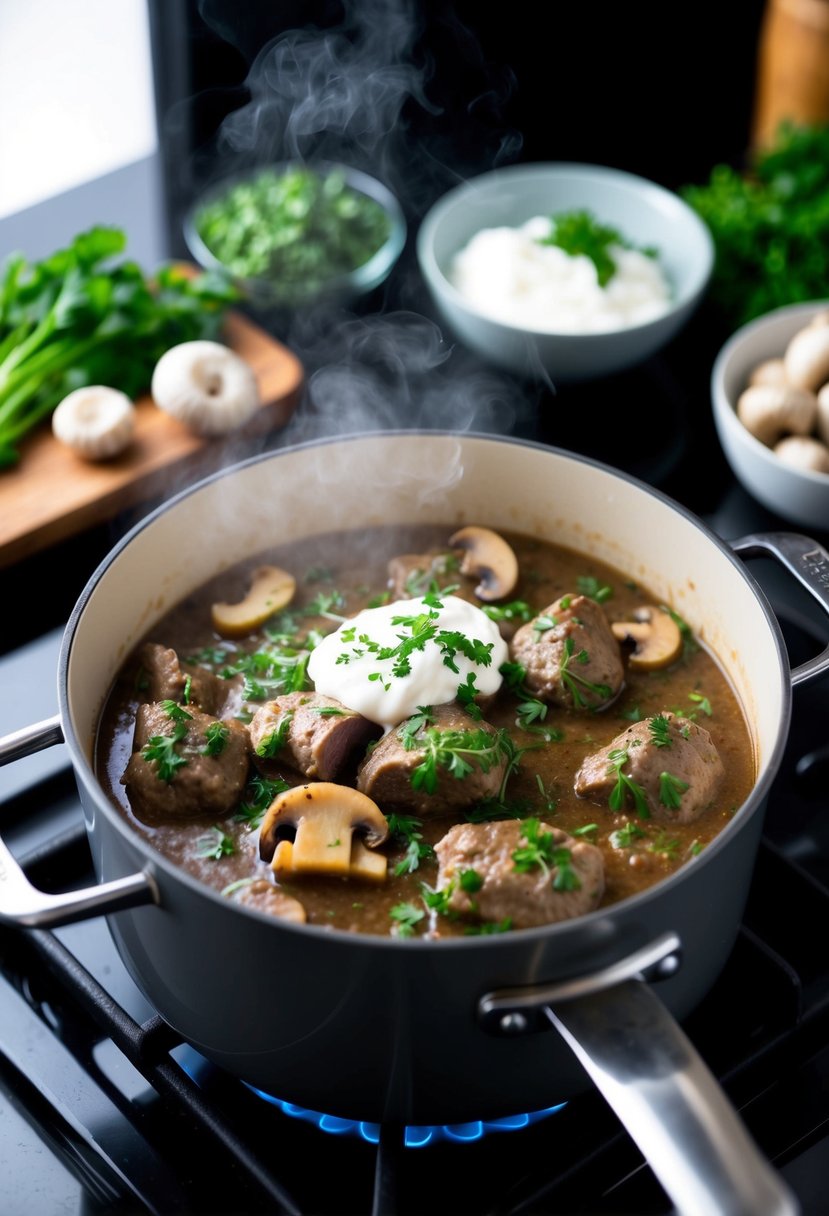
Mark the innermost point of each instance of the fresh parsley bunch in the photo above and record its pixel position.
(770, 224)
(82, 317)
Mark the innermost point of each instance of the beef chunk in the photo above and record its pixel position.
(182, 780)
(264, 896)
(390, 776)
(412, 575)
(312, 733)
(672, 762)
(164, 678)
(570, 654)
(478, 862)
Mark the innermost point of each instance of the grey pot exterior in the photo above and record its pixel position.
(375, 1028)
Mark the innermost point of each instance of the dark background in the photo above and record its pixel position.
(662, 90)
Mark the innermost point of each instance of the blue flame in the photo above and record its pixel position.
(196, 1066)
(414, 1137)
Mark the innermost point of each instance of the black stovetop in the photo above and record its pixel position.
(102, 1110)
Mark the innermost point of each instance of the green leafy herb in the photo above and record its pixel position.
(574, 683)
(459, 752)
(702, 702)
(579, 232)
(216, 737)
(438, 901)
(174, 711)
(259, 795)
(671, 790)
(470, 881)
(660, 731)
(276, 739)
(624, 837)
(407, 829)
(161, 751)
(488, 927)
(516, 610)
(543, 624)
(295, 227)
(587, 830)
(625, 787)
(770, 224)
(590, 586)
(664, 845)
(406, 917)
(215, 845)
(542, 851)
(81, 316)
(330, 711)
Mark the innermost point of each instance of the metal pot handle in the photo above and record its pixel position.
(656, 1082)
(24, 905)
(808, 561)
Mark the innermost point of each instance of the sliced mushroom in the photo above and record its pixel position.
(488, 557)
(325, 817)
(806, 358)
(656, 637)
(770, 411)
(271, 589)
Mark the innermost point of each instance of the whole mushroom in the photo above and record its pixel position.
(806, 358)
(803, 452)
(770, 411)
(206, 386)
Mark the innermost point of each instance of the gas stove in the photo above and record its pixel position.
(104, 1110)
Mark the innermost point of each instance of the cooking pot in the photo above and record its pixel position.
(419, 1031)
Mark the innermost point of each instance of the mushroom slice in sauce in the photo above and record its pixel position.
(655, 638)
(517, 874)
(325, 817)
(490, 559)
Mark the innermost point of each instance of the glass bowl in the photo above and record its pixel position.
(293, 234)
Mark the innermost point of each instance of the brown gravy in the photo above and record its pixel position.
(636, 853)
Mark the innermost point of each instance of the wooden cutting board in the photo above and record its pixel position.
(53, 494)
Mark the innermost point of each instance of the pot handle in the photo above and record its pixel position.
(808, 561)
(24, 905)
(656, 1082)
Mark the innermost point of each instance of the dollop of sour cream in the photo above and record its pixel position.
(385, 662)
(508, 275)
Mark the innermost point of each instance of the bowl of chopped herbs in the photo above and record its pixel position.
(562, 270)
(294, 233)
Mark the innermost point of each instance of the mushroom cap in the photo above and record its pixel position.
(806, 358)
(488, 557)
(803, 452)
(325, 816)
(271, 589)
(770, 371)
(95, 421)
(658, 641)
(205, 385)
(770, 411)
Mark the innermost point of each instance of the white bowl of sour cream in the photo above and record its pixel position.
(565, 270)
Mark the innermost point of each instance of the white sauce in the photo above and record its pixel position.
(390, 699)
(507, 275)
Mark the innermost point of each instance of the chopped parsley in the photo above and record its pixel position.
(590, 586)
(175, 712)
(624, 837)
(574, 683)
(259, 795)
(161, 751)
(625, 787)
(407, 829)
(214, 844)
(579, 233)
(671, 790)
(406, 917)
(660, 731)
(458, 752)
(216, 737)
(275, 740)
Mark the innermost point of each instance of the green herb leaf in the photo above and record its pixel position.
(216, 737)
(579, 232)
(161, 750)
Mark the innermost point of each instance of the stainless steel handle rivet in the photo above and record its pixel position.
(513, 1023)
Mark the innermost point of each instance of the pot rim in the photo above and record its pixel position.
(155, 860)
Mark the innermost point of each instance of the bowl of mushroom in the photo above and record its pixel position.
(770, 397)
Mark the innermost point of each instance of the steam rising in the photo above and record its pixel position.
(347, 93)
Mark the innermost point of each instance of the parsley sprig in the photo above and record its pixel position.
(406, 828)
(542, 851)
(625, 787)
(573, 682)
(161, 751)
(458, 752)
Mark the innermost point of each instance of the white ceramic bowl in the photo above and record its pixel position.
(644, 212)
(797, 495)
